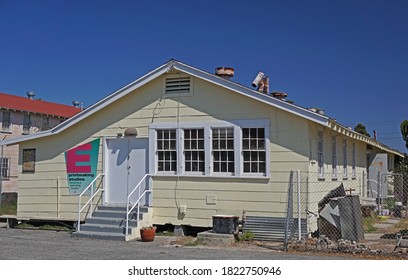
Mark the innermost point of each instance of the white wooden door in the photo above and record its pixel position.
(127, 163)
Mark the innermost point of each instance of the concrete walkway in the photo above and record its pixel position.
(384, 224)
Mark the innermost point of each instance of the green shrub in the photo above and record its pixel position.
(246, 236)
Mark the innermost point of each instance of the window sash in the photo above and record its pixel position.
(223, 155)
(194, 150)
(334, 157)
(320, 155)
(345, 173)
(6, 120)
(5, 167)
(254, 150)
(353, 160)
(26, 123)
(166, 150)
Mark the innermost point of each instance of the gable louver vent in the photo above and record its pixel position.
(178, 85)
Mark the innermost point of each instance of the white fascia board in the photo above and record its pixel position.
(93, 108)
(24, 138)
(113, 97)
(307, 114)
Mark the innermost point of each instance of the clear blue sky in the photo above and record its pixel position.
(349, 58)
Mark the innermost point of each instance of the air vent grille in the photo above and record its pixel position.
(178, 85)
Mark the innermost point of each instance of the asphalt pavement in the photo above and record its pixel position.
(26, 244)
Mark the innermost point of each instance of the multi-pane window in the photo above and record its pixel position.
(253, 149)
(6, 121)
(45, 123)
(166, 150)
(223, 150)
(211, 148)
(320, 155)
(26, 123)
(194, 154)
(5, 167)
(353, 159)
(334, 157)
(345, 158)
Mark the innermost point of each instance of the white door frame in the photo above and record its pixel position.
(105, 198)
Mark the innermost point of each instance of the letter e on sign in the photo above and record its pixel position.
(73, 158)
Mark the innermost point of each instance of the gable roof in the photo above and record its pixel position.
(195, 72)
(24, 104)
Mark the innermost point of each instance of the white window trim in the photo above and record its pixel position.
(353, 160)
(345, 159)
(320, 170)
(334, 157)
(237, 125)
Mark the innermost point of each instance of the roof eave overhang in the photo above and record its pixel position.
(355, 135)
(299, 111)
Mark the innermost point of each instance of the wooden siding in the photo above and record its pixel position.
(291, 144)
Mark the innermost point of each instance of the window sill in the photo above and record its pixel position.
(345, 178)
(7, 132)
(213, 176)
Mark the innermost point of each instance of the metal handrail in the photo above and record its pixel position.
(89, 201)
(136, 203)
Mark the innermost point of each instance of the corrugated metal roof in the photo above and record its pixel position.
(18, 103)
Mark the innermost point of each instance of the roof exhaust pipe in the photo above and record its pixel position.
(258, 79)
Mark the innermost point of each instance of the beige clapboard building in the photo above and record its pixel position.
(208, 145)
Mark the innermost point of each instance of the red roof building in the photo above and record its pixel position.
(29, 105)
(22, 116)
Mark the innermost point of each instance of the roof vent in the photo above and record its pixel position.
(225, 72)
(262, 82)
(317, 110)
(31, 94)
(76, 103)
(279, 95)
(177, 85)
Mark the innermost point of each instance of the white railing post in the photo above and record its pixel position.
(93, 194)
(137, 203)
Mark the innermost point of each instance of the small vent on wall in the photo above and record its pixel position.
(178, 85)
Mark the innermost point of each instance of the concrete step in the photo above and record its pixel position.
(110, 221)
(105, 228)
(120, 208)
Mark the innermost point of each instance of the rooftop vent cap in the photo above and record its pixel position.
(317, 110)
(279, 95)
(76, 103)
(31, 94)
(257, 79)
(225, 72)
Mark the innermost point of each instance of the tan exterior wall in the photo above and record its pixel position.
(289, 149)
(293, 146)
(9, 185)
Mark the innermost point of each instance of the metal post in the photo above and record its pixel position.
(289, 211)
(379, 193)
(299, 221)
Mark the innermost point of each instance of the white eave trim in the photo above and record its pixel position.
(304, 113)
(299, 111)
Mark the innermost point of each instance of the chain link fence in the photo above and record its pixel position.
(336, 207)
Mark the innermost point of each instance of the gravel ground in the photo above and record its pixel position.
(25, 244)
